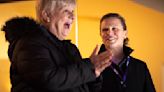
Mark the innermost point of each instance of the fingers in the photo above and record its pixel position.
(101, 68)
(101, 58)
(96, 50)
(100, 61)
(105, 65)
(104, 55)
(100, 64)
(104, 61)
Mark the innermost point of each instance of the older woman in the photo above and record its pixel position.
(42, 60)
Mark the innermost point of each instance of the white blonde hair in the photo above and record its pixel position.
(51, 7)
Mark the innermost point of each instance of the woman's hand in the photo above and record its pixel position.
(100, 61)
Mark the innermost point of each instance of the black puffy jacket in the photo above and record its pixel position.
(42, 63)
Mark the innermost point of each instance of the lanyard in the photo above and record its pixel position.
(123, 78)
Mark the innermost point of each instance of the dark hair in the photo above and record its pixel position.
(116, 15)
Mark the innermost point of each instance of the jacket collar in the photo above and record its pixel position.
(127, 50)
(53, 38)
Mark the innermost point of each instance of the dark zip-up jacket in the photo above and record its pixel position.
(138, 78)
(42, 63)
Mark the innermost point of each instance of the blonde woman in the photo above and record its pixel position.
(42, 60)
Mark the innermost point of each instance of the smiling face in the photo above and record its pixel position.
(61, 22)
(112, 33)
(57, 16)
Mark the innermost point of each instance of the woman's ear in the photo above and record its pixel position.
(45, 16)
(125, 34)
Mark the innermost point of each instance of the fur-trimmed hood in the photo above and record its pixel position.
(18, 27)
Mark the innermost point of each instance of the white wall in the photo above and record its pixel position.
(163, 78)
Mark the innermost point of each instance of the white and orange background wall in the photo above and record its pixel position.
(145, 31)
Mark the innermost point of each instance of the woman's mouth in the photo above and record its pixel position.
(67, 25)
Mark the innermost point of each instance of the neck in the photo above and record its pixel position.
(118, 55)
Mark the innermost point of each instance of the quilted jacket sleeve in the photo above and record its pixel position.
(36, 67)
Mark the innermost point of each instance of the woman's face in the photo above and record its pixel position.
(61, 22)
(112, 32)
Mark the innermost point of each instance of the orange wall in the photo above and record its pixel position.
(145, 30)
(4, 76)
(8, 11)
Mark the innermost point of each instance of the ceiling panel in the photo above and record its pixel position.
(154, 4)
(9, 1)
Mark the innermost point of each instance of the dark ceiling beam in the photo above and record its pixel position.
(154, 4)
(9, 1)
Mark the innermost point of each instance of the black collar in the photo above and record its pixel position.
(127, 50)
(53, 38)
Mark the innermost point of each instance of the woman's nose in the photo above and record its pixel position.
(110, 32)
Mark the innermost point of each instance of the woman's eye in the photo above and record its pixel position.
(113, 28)
(66, 11)
(105, 29)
